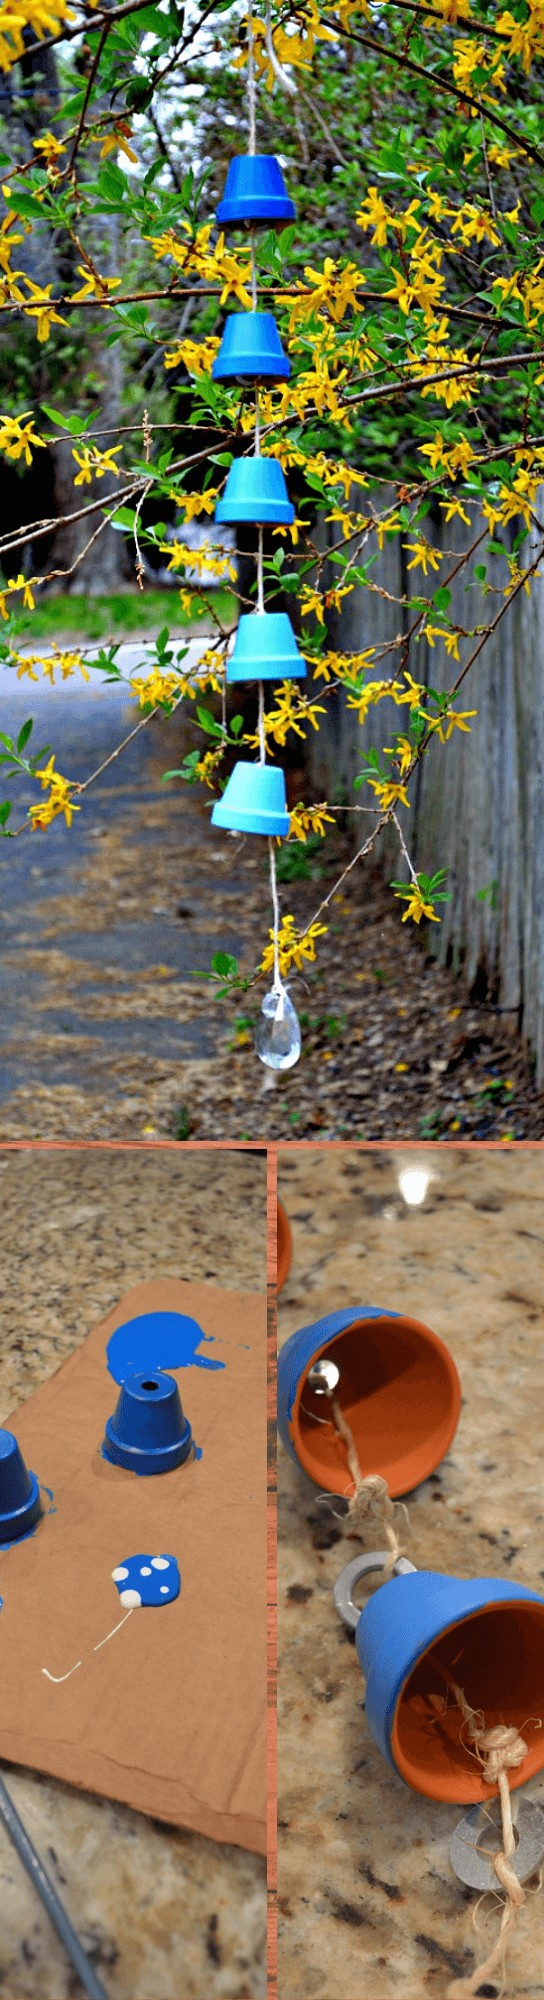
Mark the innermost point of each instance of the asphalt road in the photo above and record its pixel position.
(100, 926)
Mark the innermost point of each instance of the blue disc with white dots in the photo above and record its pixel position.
(147, 1580)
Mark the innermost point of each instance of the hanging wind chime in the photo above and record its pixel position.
(265, 649)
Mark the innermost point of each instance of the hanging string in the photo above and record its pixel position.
(370, 1500)
(251, 80)
(499, 1750)
(278, 987)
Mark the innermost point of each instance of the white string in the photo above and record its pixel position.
(250, 80)
(278, 987)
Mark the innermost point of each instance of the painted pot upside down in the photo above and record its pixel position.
(148, 1432)
(398, 1388)
(421, 1632)
(20, 1503)
(284, 1244)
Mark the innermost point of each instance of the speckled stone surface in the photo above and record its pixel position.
(164, 1915)
(369, 1907)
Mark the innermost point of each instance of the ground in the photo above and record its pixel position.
(107, 1034)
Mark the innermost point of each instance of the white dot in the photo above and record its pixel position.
(118, 1574)
(130, 1598)
(145, 1572)
(164, 1589)
(159, 1562)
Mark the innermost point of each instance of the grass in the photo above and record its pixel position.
(121, 616)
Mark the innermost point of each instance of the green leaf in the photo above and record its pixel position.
(24, 734)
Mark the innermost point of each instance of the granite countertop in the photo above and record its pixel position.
(164, 1915)
(369, 1906)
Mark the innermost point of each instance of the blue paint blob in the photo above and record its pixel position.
(197, 1448)
(147, 1580)
(157, 1340)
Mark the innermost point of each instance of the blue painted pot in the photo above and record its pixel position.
(399, 1389)
(255, 191)
(20, 1503)
(253, 801)
(148, 1431)
(255, 491)
(420, 1632)
(265, 649)
(251, 350)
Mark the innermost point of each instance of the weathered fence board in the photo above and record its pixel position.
(478, 802)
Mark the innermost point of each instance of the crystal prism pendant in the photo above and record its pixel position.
(277, 1034)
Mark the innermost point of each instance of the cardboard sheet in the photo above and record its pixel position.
(169, 1715)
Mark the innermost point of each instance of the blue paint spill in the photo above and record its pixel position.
(197, 1448)
(157, 1340)
(147, 1580)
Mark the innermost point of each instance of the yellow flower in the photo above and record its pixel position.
(17, 436)
(115, 141)
(294, 947)
(59, 801)
(40, 309)
(94, 286)
(424, 557)
(308, 819)
(388, 793)
(374, 215)
(94, 463)
(416, 907)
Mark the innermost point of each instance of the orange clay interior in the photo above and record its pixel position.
(399, 1391)
(497, 1657)
(284, 1245)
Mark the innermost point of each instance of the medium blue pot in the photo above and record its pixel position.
(253, 801)
(255, 491)
(251, 350)
(20, 1503)
(265, 649)
(255, 191)
(148, 1431)
(399, 1388)
(423, 1630)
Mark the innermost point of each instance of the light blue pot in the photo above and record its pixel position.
(253, 801)
(251, 350)
(255, 491)
(265, 649)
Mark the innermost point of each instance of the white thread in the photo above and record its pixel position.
(115, 1628)
(251, 80)
(57, 1678)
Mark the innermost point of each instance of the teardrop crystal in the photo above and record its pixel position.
(277, 1035)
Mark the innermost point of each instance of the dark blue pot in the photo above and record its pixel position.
(20, 1504)
(148, 1431)
(399, 1388)
(487, 1635)
(255, 191)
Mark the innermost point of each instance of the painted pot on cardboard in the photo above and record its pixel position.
(423, 1633)
(20, 1502)
(148, 1432)
(397, 1385)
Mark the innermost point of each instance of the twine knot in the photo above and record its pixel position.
(503, 1749)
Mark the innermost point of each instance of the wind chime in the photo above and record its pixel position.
(265, 648)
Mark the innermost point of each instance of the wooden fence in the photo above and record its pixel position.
(477, 802)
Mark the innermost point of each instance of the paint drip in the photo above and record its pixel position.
(157, 1340)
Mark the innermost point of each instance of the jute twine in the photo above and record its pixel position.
(371, 1499)
(499, 1750)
